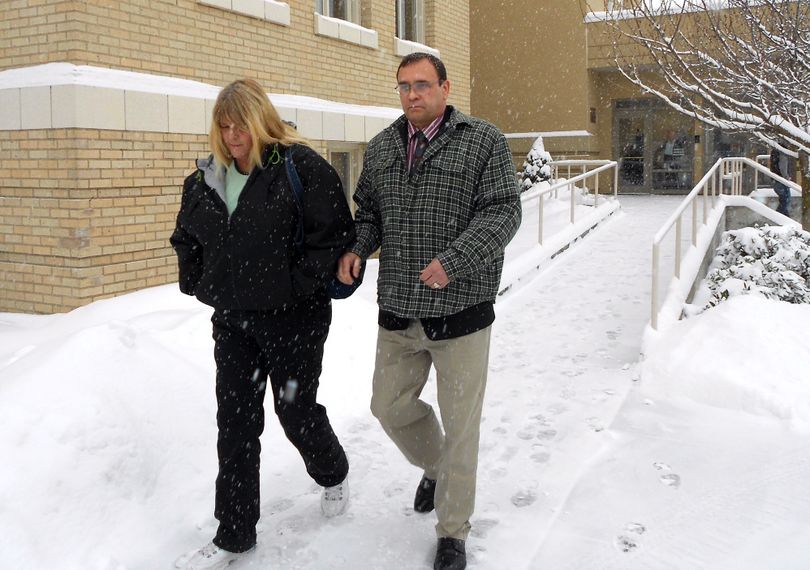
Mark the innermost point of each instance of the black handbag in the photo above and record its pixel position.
(335, 288)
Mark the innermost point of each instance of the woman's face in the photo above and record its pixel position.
(239, 143)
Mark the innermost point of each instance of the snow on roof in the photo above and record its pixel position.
(656, 6)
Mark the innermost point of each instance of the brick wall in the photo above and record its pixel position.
(86, 215)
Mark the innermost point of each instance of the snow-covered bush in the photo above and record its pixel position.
(536, 167)
(771, 261)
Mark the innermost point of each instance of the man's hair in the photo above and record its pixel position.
(419, 56)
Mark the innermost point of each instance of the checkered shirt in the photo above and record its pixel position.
(462, 206)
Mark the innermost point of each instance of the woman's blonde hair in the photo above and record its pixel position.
(245, 104)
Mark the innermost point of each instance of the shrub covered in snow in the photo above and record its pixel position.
(536, 167)
(771, 261)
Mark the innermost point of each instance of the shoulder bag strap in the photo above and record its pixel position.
(298, 194)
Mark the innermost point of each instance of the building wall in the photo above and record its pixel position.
(548, 68)
(192, 40)
(86, 210)
(529, 61)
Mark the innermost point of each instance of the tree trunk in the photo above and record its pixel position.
(804, 159)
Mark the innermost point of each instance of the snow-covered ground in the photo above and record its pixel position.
(698, 457)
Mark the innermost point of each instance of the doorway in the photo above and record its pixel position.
(654, 147)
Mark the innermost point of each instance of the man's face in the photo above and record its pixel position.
(426, 99)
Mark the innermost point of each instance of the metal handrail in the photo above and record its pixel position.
(570, 183)
(568, 163)
(729, 170)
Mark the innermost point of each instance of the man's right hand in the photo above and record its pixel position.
(349, 266)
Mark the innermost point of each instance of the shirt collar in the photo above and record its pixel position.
(429, 131)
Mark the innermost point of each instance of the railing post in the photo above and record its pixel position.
(654, 292)
(678, 247)
(616, 180)
(596, 191)
(706, 204)
(571, 191)
(540, 224)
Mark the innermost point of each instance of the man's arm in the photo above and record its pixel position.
(496, 220)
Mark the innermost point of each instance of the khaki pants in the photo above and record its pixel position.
(447, 452)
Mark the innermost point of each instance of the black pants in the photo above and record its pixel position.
(285, 345)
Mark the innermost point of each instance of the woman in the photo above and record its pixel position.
(236, 249)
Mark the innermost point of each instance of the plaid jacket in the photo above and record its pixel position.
(462, 206)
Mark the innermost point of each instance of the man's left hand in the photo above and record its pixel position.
(434, 276)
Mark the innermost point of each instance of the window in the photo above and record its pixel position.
(411, 20)
(347, 160)
(348, 10)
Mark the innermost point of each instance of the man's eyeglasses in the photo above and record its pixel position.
(417, 86)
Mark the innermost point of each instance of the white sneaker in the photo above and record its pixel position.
(209, 557)
(334, 500)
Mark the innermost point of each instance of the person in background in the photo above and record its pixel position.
(438, 194)
(783, 165)
(236, 250)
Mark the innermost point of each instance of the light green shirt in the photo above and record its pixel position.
(234, 184)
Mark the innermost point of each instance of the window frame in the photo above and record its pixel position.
(327, 8)
(418, 20)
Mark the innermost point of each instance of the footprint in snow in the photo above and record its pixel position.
(635, 528)
(480, 528)
(630, 541)
(524, 498)
(596, 424)
(509, 453)
(527, 433)
(280, 506)
(669, 479)
(625, 543)
(547, 434)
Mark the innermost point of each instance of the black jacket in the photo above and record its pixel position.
(250, 261)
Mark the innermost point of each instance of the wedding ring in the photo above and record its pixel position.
(435, 284)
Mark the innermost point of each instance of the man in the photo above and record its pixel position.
(782, 165)
(438, 195)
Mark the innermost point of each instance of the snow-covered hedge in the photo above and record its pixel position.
(536, 167)
(770, 261)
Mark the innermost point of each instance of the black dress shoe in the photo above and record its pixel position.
(450, 554)
(423, 501)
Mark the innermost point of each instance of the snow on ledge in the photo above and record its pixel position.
(548, 134)
(64, 95)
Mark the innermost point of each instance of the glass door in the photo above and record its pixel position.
(629, 149)
(654, 146)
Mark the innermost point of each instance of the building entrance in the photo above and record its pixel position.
(654, 147)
